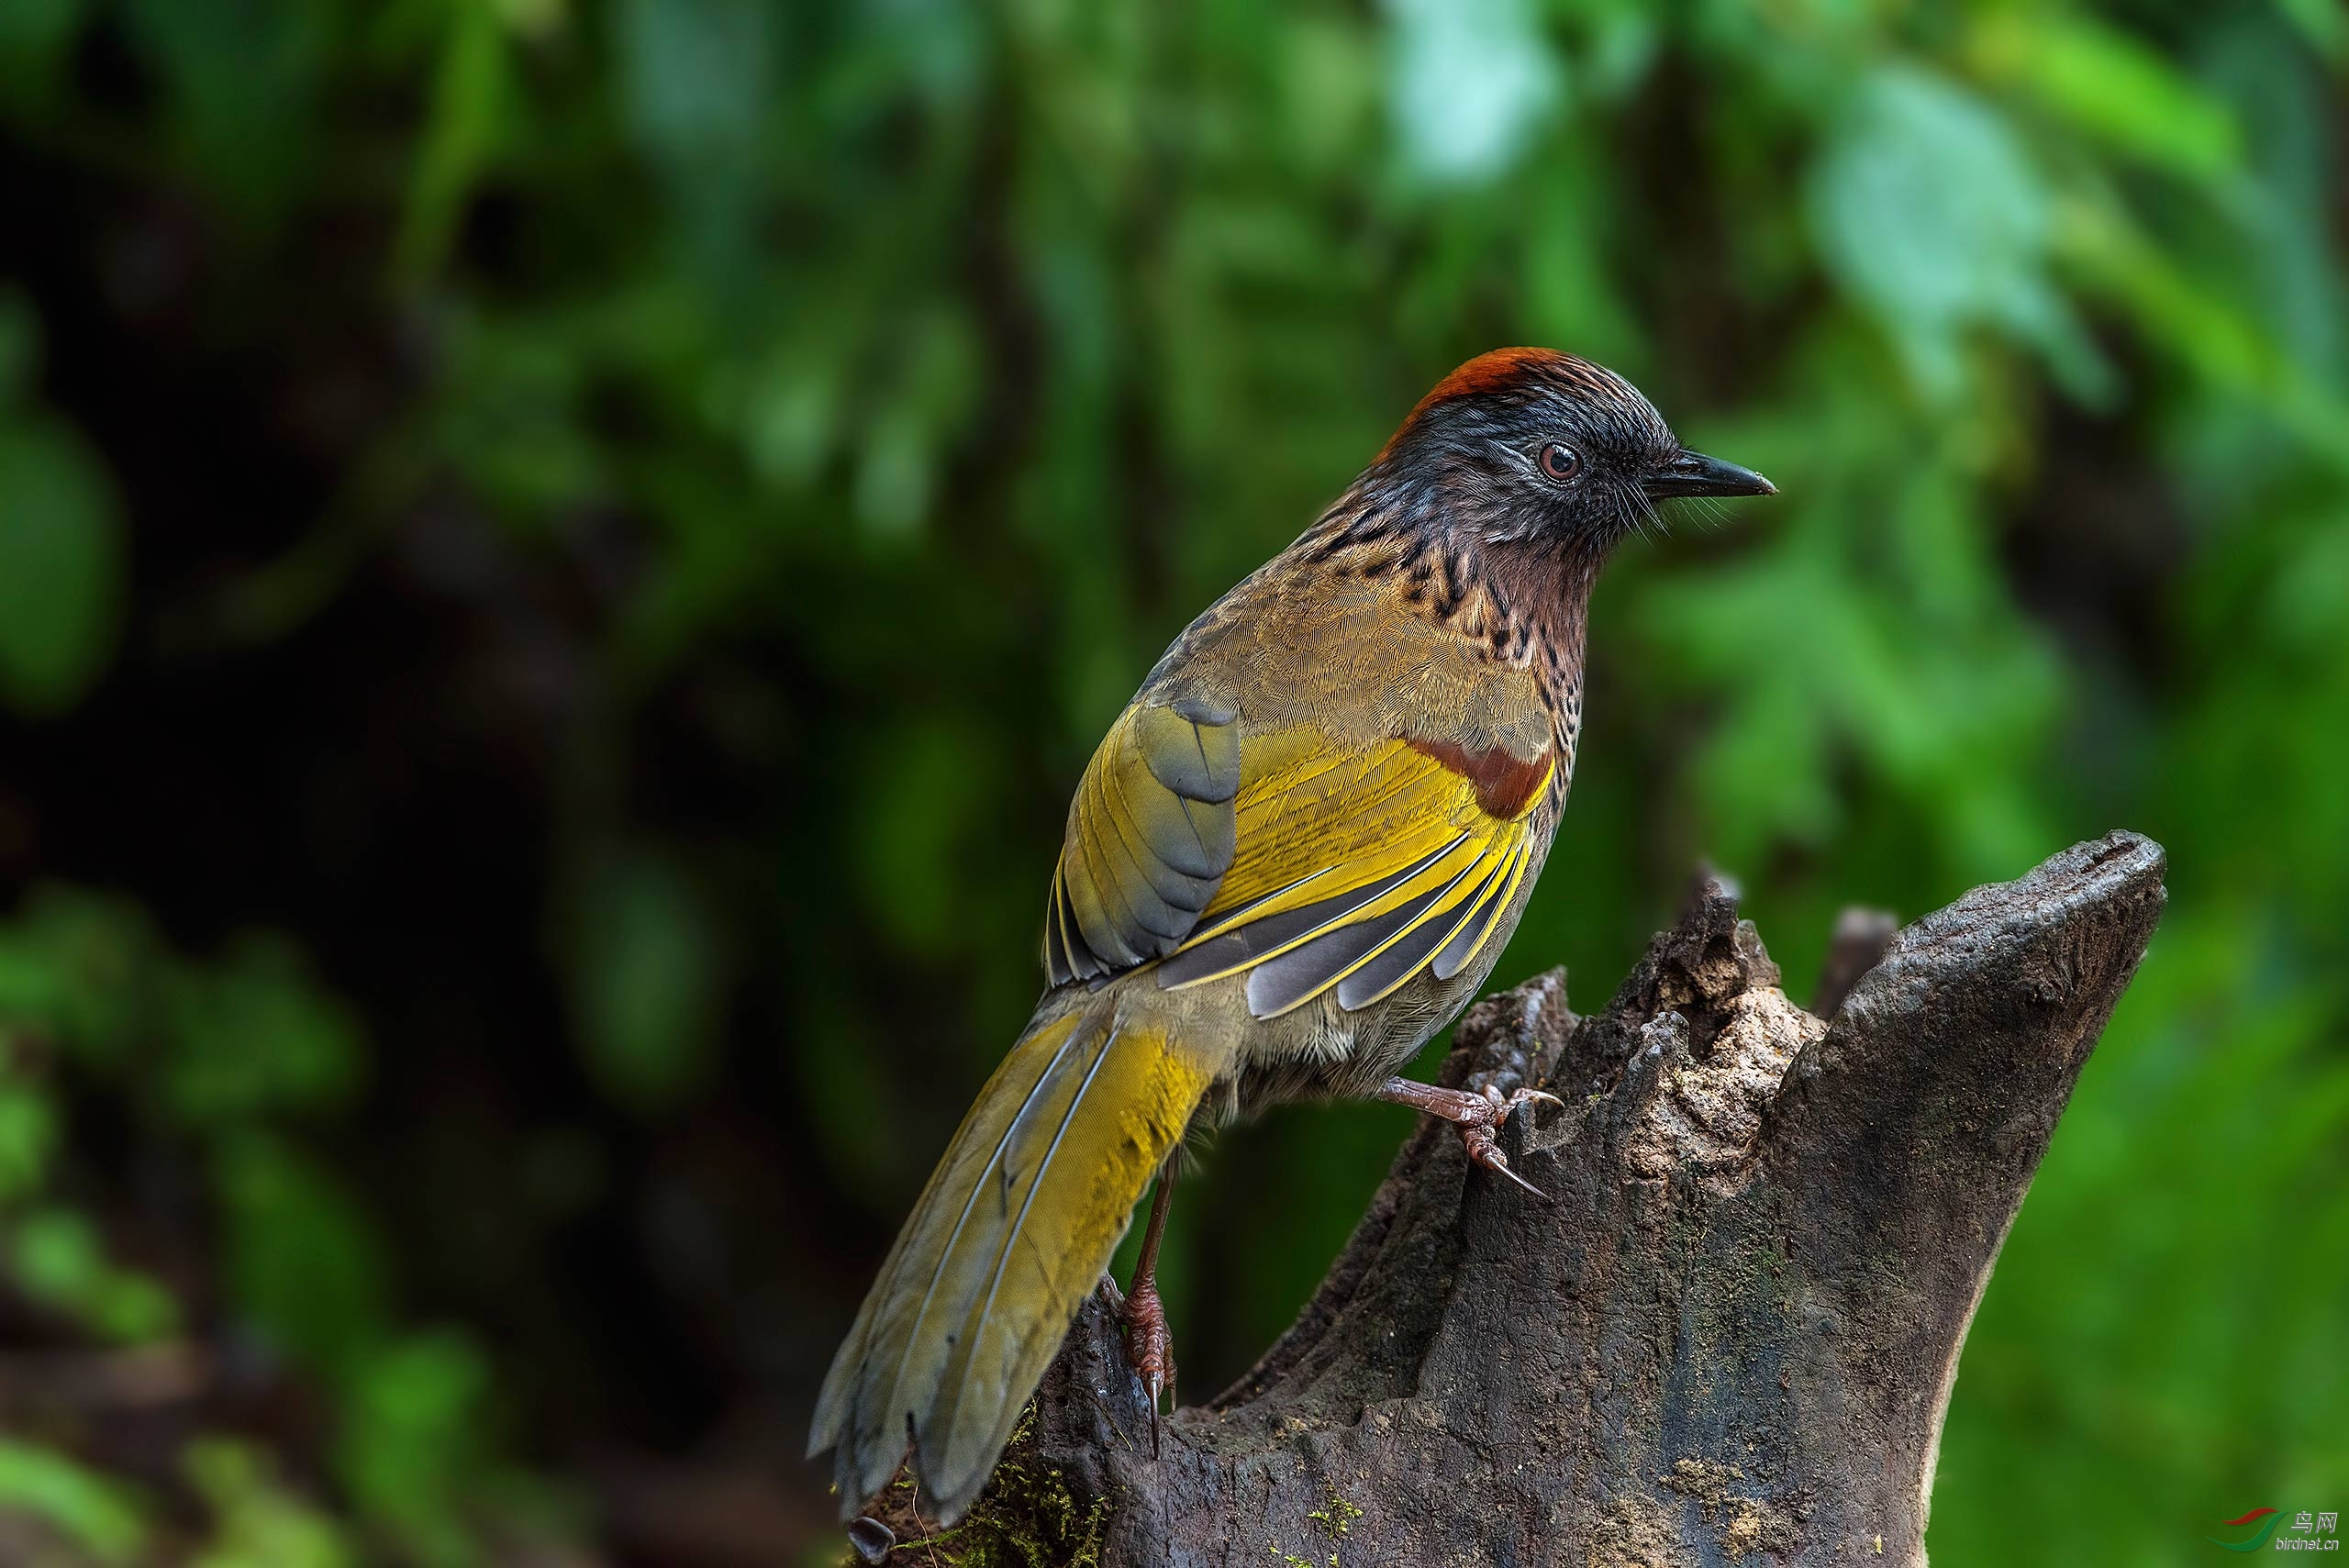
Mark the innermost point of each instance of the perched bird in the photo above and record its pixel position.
(1294, 858)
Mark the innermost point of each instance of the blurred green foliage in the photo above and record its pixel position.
(219, 1066)
(869, 391)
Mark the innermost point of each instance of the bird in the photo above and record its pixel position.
(1295, 856)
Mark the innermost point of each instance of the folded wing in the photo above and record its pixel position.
(1357, 869)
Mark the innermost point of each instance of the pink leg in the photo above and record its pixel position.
(1150, 1346)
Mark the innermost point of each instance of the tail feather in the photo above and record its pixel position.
(1016, 1224)
(872, 1381)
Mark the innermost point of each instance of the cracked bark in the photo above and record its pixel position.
(1735, 1332)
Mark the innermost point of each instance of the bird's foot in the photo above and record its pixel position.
(1477, 1116)
(1150, 1346)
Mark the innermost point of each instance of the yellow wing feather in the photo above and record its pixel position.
(1378, 862)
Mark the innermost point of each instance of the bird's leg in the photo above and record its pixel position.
(1149, 1346)
(1475, 1114)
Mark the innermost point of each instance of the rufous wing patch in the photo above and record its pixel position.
(1506, 784)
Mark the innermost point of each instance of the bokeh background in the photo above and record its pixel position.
(559, 560)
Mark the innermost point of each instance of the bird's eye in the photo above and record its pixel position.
(1560, 461)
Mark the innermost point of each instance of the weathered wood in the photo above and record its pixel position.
(1732, 1333)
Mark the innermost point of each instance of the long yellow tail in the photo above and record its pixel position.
(1016, 1225)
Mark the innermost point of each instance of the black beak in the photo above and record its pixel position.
(1694, 473)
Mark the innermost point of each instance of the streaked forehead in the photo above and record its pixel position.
(1523, 376)
(1506, 370)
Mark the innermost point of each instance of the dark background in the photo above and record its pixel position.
(559, 560)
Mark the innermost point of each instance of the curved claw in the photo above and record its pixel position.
(1499, 1162)
(1483, 1151)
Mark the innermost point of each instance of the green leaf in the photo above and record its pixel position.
(926, 792)
(257, 1520)
(58, 1258)
(101, 1516)
(77, 969)
(2117, 88)
(469, 91)
(644, 979)
(413, 1441)
(303, 1266)
(61, 565)
(256, 1033)
(1926, 209)
(1469, 82)
(34, 37)
(55, 1256)
(241, 80)
(28, 1136)
(2323, 23)
(696, 72)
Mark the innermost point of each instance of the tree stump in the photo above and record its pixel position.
(1732, 1334)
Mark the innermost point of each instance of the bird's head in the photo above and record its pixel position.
(1532, 444)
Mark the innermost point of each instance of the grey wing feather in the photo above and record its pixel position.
(1151, 834)
(1413, 948)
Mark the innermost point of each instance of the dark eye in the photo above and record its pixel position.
(1559, 462)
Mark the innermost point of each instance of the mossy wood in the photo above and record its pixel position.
(1730, 1339)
